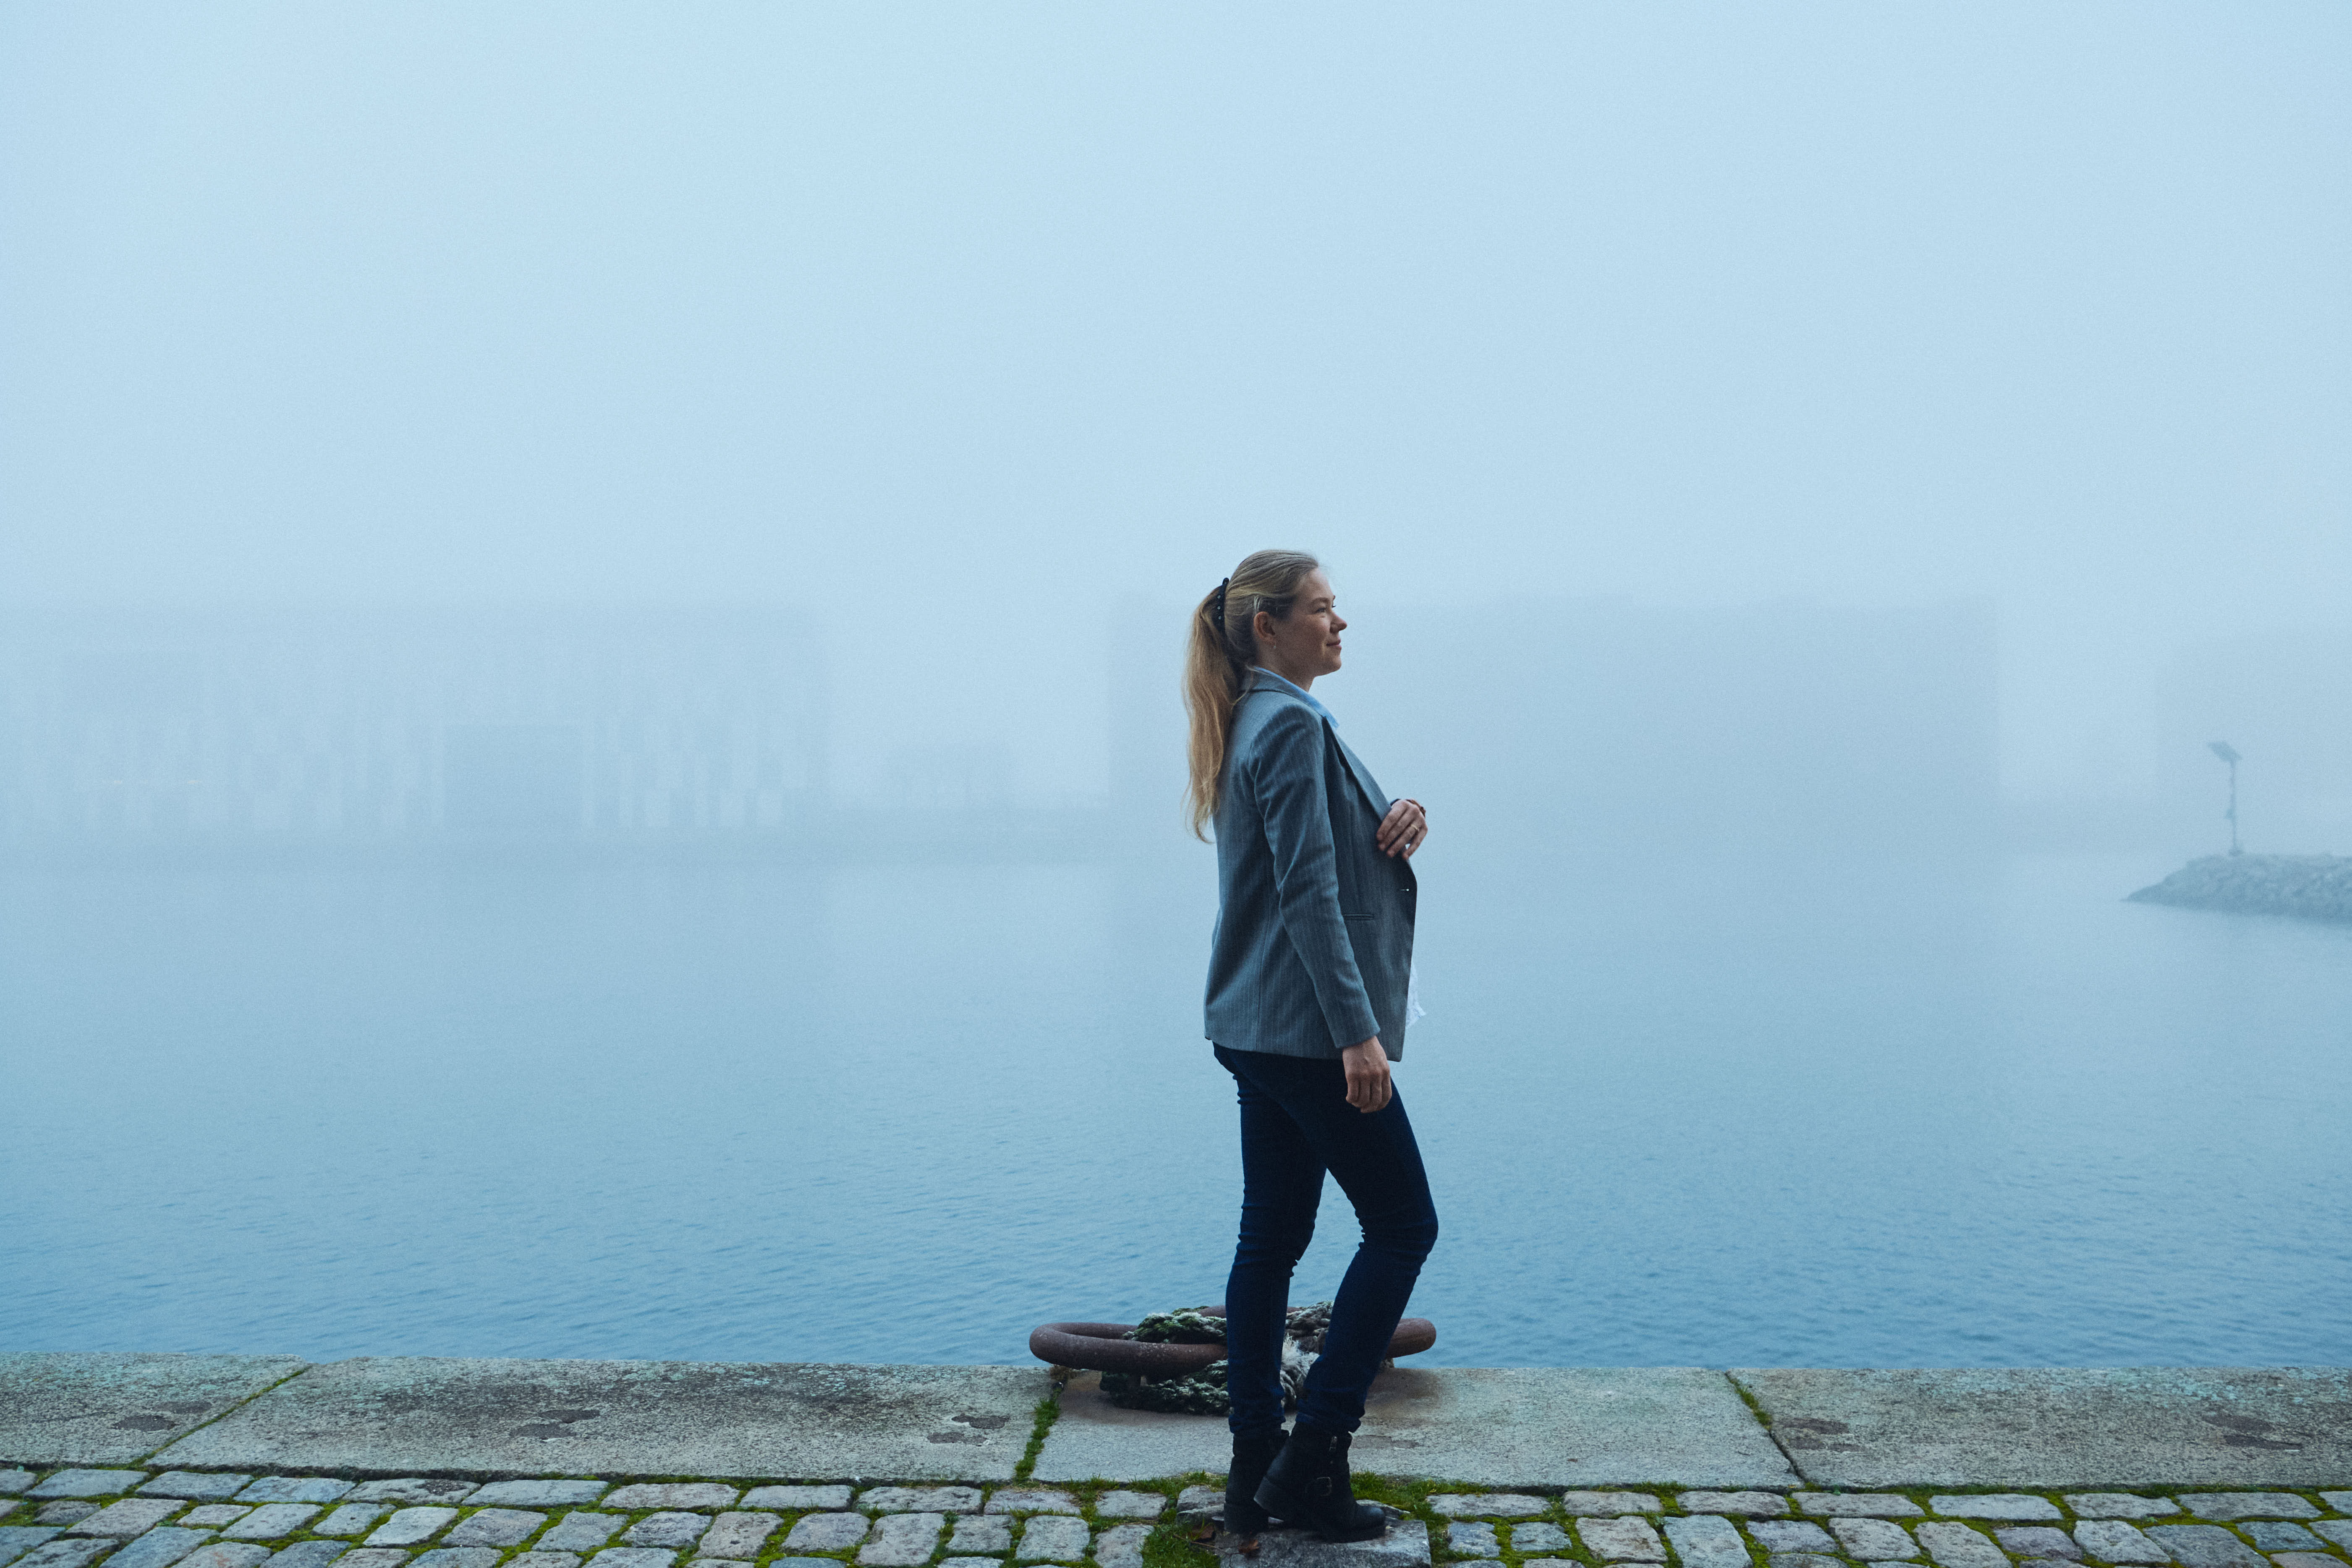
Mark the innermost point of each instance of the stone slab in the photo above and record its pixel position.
(194, 1486)
(980, 1534)
(738, 1536)
(2037, 1543)
(1488, 1426)
(412, 1526)
(902, 1540)
(1121, 1546)
(160, 1548)
(2247, 1505)
(2047, 1428)
(477, 1557)
(673, 1494)
(2116, 1540)
(351, 1519)
(581, 1533)
(1052, 1538)
(87, 1483)
(641, 1418)
(1406, 1545)
(73, 1552)
(827, 1531)
(1753, 1504)
(1857, 1504)
(1995, 1505)
(517, 1494)
(1780, 1536)
(1608, 1504)
(1629, 1540)
(2280, 1535)
(227, 1554)
(2204, 1546)
(920, 1499)
(1882, 1540)
(495, 1527)
(1474, 1538)
(1960, 1546)
(72, 1408)
(431, 1488)
(1706, 1541)
(131, 1516)
(1093, 1440)
(295, 1488)
(15, 1539)
(273, 1522)
(797, 1499)
(310, 1554)
(675, 1531)
(2118, 1505)
(1542, 1538)
(1488, 1505)
(1130, 1505)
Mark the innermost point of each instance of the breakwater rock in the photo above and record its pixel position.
(2311, 887)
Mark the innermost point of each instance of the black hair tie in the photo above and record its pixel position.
(1220, 605)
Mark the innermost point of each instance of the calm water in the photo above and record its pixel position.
(1714, 1112)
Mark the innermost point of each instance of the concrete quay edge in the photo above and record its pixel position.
(1540, 1427)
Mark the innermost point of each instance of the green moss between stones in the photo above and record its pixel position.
(1041, 1422)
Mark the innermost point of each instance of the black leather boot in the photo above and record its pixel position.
(1251, 1454)
(1307, 1485)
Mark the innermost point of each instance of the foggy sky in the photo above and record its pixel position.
(969, 329)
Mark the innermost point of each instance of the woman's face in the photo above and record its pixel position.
(1308, 643)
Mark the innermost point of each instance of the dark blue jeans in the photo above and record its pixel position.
(1297, 1124)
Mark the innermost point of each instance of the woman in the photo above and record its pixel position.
(1309, 975)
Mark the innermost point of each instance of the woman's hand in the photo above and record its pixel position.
(1369, 1089)
(1403, 829)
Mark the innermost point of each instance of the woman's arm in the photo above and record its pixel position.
(1287, 778)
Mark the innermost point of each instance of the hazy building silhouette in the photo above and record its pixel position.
(405, 727)
(1572, 727)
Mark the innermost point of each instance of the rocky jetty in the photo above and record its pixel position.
(2311, 887)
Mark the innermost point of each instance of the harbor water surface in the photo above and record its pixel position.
(1710, 1110)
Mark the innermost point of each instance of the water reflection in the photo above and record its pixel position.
(1709, 1109)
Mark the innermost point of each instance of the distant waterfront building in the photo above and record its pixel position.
(383, 726)
(1548, 726)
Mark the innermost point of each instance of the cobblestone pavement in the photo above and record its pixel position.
(81, 1517)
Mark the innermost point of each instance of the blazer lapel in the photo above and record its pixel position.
(1363, 775)
(1364, 780)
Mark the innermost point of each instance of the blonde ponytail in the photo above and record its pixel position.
(1217, 659)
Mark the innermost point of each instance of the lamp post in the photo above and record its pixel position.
(2227, 753)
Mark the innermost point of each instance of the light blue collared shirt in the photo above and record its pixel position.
(1295, 689)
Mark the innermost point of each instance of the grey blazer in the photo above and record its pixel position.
(1314, 942)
